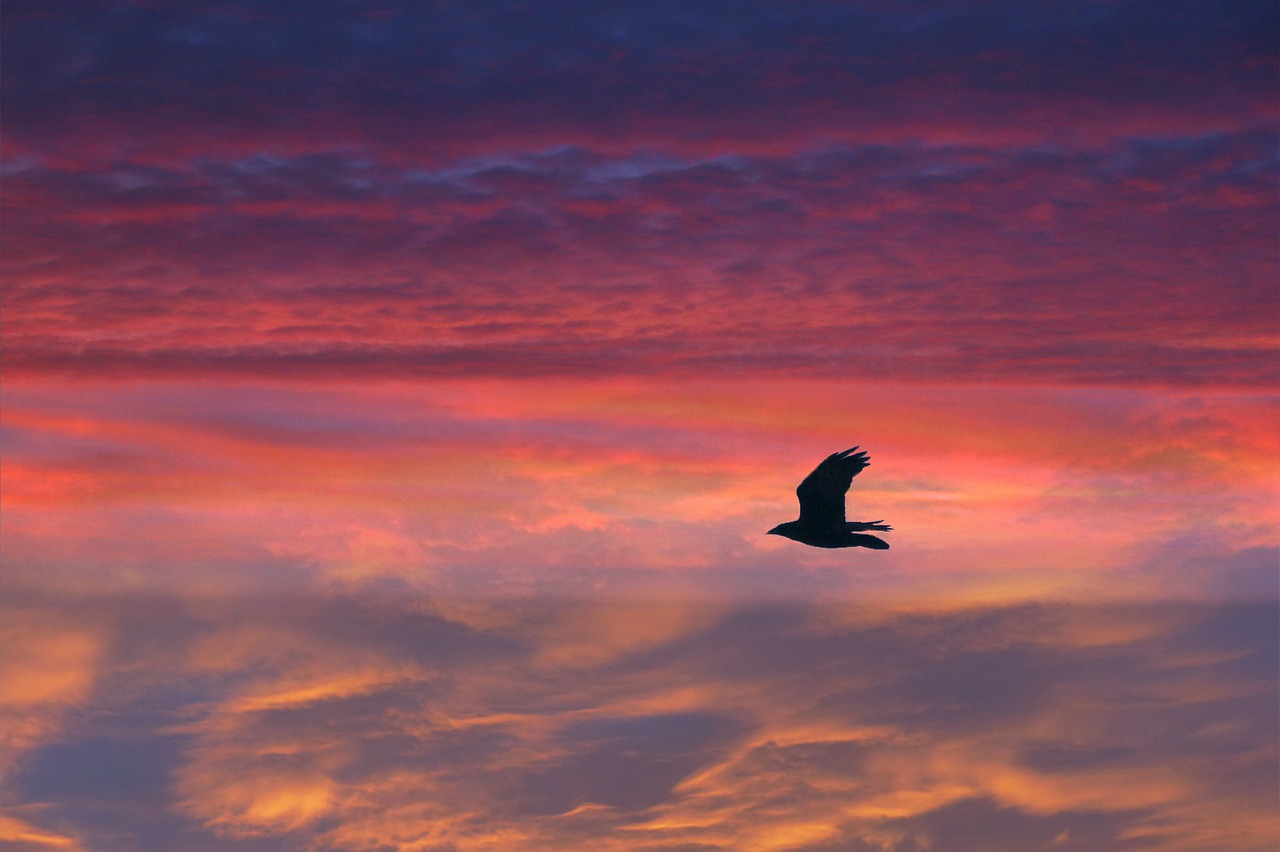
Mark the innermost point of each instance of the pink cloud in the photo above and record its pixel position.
(544, 485)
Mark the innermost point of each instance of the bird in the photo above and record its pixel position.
(821, 522)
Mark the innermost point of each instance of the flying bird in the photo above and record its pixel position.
(821, 522)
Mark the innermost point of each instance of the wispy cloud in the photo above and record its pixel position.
(546, 486)
(346, 724)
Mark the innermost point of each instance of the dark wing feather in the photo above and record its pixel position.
(822, 492)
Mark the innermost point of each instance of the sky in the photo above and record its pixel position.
(432, 372)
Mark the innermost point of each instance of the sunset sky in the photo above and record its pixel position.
(432, 372)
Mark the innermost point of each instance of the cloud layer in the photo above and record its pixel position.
(396, 394)
(1039, 193)
(355, 725)
(555, 487)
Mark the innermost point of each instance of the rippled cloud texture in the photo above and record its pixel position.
(396, 396)
(1035, 192)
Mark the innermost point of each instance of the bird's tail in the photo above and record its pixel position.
(864, 540)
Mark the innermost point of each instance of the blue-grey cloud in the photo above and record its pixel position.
(468, 72)
(344, 723)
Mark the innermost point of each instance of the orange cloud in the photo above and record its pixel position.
(18, 834)
(483, 724)
(50, 664)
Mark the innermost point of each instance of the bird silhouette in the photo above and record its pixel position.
(821, 522)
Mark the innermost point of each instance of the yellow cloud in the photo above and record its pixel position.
(249, 801)
(17, 833)
(311, 689)
(49, 664)
(46, 661)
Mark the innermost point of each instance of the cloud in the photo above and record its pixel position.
(23, 836)
(344, 724)
(50, 667)
(396, 76)
(547, 487)
(676, 194)
(501, 300)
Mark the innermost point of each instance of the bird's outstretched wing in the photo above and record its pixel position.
(822, 492)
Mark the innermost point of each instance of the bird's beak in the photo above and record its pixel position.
(773, 531)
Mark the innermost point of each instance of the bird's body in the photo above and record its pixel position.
(832, 537)
(821, 522)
